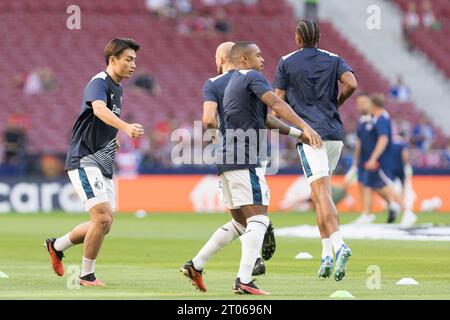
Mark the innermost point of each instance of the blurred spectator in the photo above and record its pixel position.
(204, 24)
(183, 7)
(217, 2)
(446, 156)
(160, 8)
(221, 24)
(410, 23)
(311, 9)
(14, 143)
(249, 2)
(402, 128)
(128, 156)
(37, 81)
(429, 20)
(144, 81)
(20, 119)
(51, 166)
(423, 135)
(400, 92)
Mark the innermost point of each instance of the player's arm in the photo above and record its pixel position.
(101, 111)
(407, 166)
(381, 145)
(117, 143)
(209, 115)
(349, 86)
(282, 95)
(274, 123)
(356, 152)
(285, 112)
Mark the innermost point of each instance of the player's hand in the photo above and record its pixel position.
(371, 165)
(135, 130)
(313, 138)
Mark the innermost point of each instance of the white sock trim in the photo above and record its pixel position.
(336, 240)
(87, 267)
(63, 243)
(327, 248)
(251, 245)
(221, 237)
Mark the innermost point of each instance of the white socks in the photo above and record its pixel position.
(87, 266)
(63, 243)
(327, 248)
(223, 236)
(336, 240)
(251, 245)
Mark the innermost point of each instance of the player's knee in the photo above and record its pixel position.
(103, 218)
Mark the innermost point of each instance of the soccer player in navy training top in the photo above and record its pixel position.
(247, 98)
(91, 154)
(213, 92)
(308, 80)
(380, 173)
(361, 155)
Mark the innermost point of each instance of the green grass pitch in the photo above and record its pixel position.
(140, 259)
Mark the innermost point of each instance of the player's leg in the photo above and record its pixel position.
(193, 269)
(101, 208)
(321, 191)
(101, 221)
(269, 243)
(367, 204)
(315, 165)
(387, 191)
(250, 192)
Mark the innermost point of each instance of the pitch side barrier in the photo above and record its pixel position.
(194, 193)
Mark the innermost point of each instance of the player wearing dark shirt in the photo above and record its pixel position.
(91, 154)
(308, 80)
(247, 98)
(379, 173)
(361, 154)
(213, 115)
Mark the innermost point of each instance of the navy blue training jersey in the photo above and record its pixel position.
(382, 127)
(364, 133)
(93, 141)
(214, 90)
(310, 78)
(396, 165)
(244, 111)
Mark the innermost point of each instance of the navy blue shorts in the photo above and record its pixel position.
(377, 179)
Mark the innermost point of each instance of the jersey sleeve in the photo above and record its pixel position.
(96, 90)
(342, 67)
(209, 92)
(258, 84)
(280, 81)
(383, 127)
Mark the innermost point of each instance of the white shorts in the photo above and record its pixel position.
(318, 163)
(92, 187)
(244, 187)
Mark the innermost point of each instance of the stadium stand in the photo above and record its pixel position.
(34, 34)
(434, 43)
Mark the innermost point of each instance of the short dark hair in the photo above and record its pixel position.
(309, 31)
(238, 49)
(378, 100)
(116, 46)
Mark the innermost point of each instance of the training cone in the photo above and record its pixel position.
(342, 294)
(303, 256)
(3, 275)
(407, 282)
